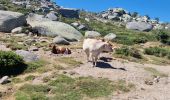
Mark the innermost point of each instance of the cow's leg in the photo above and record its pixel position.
(87, 53)
(95, 60)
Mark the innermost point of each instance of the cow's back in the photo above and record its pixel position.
(90, 44)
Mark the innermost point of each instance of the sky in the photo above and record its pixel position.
(153, 8)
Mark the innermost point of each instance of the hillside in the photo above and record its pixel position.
(31, 69)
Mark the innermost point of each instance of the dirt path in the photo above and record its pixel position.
(128, 71)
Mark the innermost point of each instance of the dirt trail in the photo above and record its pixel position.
(128, 71)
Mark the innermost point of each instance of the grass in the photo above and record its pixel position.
(124, 36)
(32, 92)
(86, 86)
(33, 66)
(12, 43)
(128, 53)
(16, 80)
(69, 61)
(155, 72)
(158, 52)
(67, 88)
(30, 77)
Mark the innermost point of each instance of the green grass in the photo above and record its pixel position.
(155, 72)
(124, 36)
(126, 51)
(69, 61)
(34, 66)
(16, 80)
(30, 77)
(158, 52)
(67, 88)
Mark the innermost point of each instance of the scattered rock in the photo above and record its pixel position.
(33, 48)
(110, 36)
(60, 40)
(20, 35)
(17, 30)
(4, 80)
(75, 24)
(92, 34)
(28, 56)
(82, 27)
(10, 20)
(141, 26)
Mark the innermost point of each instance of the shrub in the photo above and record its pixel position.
(32, 66)
(157, 51)
(126, 51)
(11, 63)
(163, 36)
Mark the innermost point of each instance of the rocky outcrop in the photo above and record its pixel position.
(110, 36)
(60, 40)
(141, 26)
(27, 56)
(54, 28)
(17, 30)
(92, 34)
(69, 13)
(52, 16)
(10, 20)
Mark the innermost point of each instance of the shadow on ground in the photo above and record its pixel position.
(104, 65)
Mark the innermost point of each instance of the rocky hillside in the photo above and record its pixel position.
(41, 56)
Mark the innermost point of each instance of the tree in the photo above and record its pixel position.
(157, 19)
(134, 14)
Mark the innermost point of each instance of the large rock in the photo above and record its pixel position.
(52, 16)
(141, 26)
(28, 56)
(92, 34)
(69, 13)
(17, 30)
(60, 40)
(4, 80)
(10, 20)
(110, 36)
(54, 28)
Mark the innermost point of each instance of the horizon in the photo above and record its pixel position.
(143, 7)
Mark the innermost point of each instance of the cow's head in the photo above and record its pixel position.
(108, 47)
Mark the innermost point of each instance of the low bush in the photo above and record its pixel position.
(163, 36)
(33, 66)
(11, 63)
(157, 51)
(127, 51)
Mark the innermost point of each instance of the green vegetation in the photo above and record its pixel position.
(67, 88)
(11, 63)
(155, 72)
(124, 36)
(126, 51)
(30, 77)
(12, 43)
(163, 36)
(33, 66)
(69, 61)
(16, 80)
(32, 92)
(158, 52)
(11, 7)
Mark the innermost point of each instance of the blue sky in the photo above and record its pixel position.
(153, 8)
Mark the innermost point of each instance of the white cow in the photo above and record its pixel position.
(94, 47)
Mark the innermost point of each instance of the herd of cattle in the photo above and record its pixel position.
(92, 48)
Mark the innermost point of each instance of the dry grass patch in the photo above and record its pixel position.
(69, 61)
(155, 72)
